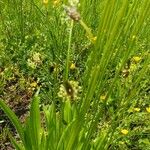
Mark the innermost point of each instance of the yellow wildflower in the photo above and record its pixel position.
(148, 109)
(133, 37)
(136, 109)
(56, 2)
(94, 39)
(137, 59)
(124, 131)
(121, 142)
(33, 84)
(103, 97)
(72, 66)
(130, 110)
(45, 2)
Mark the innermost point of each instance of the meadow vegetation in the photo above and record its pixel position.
(75, 75)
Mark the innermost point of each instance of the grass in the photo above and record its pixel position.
(83, 67)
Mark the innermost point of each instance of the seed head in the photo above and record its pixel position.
(69, 90)
(72, 13)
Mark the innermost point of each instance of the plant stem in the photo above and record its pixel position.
(88, 31)
(68, 51)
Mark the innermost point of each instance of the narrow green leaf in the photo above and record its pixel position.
(43, 141)
(35, 125)
(14, 119)
(51, 129)
(69, 135)
(67, 111)
(27, 135)
(73, 137)
(14, 142)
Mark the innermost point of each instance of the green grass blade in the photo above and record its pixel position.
(35, 126)
(69, 136)
(13, 118)
(14, 142)
(51, 129)
(27, 135)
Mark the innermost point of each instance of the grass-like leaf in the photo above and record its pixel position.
(14, 142)
(13, 118)
(35, 126)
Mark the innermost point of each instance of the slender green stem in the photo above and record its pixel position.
(68, 51)
(88, 30)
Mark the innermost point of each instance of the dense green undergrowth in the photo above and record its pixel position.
(75, 74)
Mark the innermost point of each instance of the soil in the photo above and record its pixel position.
(19, 103)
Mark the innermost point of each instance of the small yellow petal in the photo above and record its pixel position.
(148, 109)
(136, 109)
(133, 37)
(72, 66)
(33, 84)
(56, 2)
(103, 97)
(124, 131)
(137, 59)
(94, 39)
(121, 142)
(45, 2)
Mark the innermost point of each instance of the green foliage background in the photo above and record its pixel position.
(109, 46)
